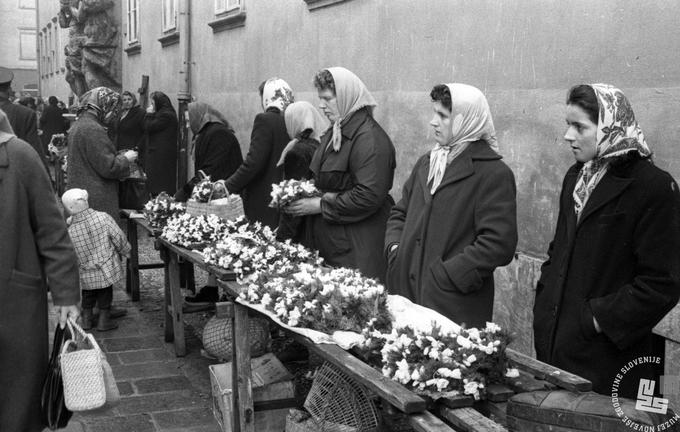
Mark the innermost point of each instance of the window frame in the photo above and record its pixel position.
(165, 27)
(132, 9)
(219, 10)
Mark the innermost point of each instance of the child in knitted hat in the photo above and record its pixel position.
(99, 244)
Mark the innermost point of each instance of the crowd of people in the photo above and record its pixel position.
(613, 267)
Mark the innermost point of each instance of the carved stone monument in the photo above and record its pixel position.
(93, 50)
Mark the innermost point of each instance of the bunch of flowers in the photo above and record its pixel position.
(206, 190)
(252, 249)
(434, 362)
(158, 210)
(194, 232)
(323, 299)
(290, 190)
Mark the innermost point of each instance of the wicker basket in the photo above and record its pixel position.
(82, 373)
(217, 337)
(339, 404)
(227, 208)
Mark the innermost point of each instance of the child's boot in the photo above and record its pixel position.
(87, 319)
(105, 323)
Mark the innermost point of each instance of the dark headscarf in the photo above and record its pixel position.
(200, 114)
(103, 102)
(162, 101)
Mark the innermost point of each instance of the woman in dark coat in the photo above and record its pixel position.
(35, 249)
(254, 178)
(160, 153)
(130, 127)
(305, 125)
(51, 122)
(456, 220)
(613, 268)
(92, 163)
(354, 168)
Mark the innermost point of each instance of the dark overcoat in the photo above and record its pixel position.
(217, 152)
(34, 246)
(451, 242)
(160, 153)
(24, 122)
(619, 263)
(51, 123)
(254, 178)
(93, 164)
(130, 130)
(356, 180)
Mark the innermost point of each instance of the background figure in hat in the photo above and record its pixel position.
(35, 250)
(23, 119)
(99, 244)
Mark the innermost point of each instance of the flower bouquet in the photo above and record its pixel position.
(438, 363)
(290, 190)
(210, 197)
(193, 232)
(158, 210)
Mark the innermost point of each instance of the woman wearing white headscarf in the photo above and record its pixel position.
(613, 268)
(254, 178)
(354, 167)
(456, 220)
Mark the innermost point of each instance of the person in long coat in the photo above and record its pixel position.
(36, 252)
(613, 267)
(354, 168)
(92, 163)
(130, 125)
(254, 178)
(161, 153)
(456, 220)
(52, 122)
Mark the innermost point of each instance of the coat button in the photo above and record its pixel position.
(554, 311)
(412, 277)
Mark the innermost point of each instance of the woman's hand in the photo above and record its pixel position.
(304, 206)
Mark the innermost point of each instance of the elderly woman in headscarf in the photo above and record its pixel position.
(130, 125)
(36, 252)
(93, 164)
(456, 220)
(161, 152)
(354, 168)
(613, 268)
(305, 125)
(254, 178)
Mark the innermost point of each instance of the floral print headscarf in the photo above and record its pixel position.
(103, 102)
(277, 93)
(618, 133)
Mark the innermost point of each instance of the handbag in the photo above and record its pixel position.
(52, 406)
(132, 193)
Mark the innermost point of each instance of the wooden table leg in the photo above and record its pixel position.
(169, 332)
(243, 414)
(175, 306)
(133, 262)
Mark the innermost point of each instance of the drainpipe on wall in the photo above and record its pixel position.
(184, 92)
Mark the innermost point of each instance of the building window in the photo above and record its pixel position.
(50, 50)
(26, 4)
(228, 14)
(27, 41)
(169, 15)
(132, 21)
(224, 6)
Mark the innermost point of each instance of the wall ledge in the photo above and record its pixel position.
(133, 49)
(169, 39)
(228, 22)
(317, 4)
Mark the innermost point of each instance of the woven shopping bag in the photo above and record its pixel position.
(88, 379)
(227, 208)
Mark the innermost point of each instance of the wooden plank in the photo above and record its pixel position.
(469, 420)
(133, 262)
(428, 422)
(526, 383)
(169, 331)
(498, 393)
(243, 408)
(549, 373)
(459, 401)
(176, 306)
(197, 259)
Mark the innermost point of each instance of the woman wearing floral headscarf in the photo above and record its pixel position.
(354, 168)
(92, 161)
(254, 178)
(613, 268)
(456, 220)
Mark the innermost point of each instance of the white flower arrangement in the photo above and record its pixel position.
(158, 210)
(290, 190)
(195, 232)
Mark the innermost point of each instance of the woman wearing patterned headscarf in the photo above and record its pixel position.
(254, 178)
(456, 220)
(92, 161)
(354, 168)
(160, 155)
(613, 268)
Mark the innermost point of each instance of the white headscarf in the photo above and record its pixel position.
(351, 95)
(277, 93)
(471, 121)
(6, 131)
(299, 117)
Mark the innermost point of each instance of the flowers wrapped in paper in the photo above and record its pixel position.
(291, 190)
(158, 210)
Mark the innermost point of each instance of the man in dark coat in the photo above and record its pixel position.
(52, 122)
(254, 178)
(36, 251)
(456, 220)
(613, 268)
(23, 120)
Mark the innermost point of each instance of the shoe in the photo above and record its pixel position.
(87, 318)
(206, 296)
(104, 323)
(115, 312)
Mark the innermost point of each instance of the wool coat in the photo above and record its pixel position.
(24, 121)
(217, 152)
(36, 251)
(450, 243)
(161, 154)
(93, 164)
(620, 262)
(254, 178)
(51, 123)
(130, 130)
(356, 180)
